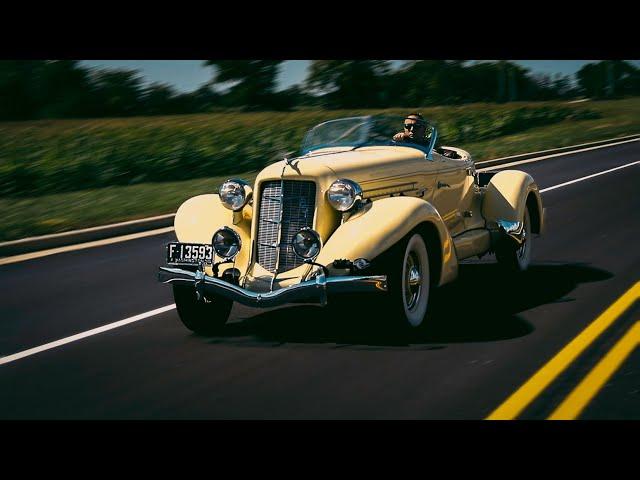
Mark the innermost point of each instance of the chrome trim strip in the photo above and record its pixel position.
(395, 190)
(398, 185)
(310, 291)
(275, 274)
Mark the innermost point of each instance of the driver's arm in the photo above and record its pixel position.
(399, 137)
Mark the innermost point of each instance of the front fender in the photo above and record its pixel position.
(381, 225)
(198, 218)
(506, 198)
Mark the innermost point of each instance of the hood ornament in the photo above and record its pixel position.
(289, 157)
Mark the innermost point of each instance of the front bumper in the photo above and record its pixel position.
(310, 291)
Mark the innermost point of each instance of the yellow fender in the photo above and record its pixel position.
(506, 199)
(381, 225)
(198, 218)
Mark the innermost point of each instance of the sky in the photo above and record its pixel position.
(188, 75)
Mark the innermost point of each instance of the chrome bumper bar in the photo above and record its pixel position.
(310, 291)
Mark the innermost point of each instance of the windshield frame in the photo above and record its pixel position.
(369, 122)
(366, 121)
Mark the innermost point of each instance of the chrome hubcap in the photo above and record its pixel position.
(414, 276)
(413, 280)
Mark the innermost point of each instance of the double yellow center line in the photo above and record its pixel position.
(578, 399)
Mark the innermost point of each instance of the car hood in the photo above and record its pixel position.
(365, 165)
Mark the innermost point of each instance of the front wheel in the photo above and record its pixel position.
(408, 280)
(199, 316)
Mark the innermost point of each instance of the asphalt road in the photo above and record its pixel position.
(487, 335)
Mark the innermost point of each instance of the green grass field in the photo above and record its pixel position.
(117, 158)
(44, 157)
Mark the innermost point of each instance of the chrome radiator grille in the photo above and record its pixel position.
(295, 200)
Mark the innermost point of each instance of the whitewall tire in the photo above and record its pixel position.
(406, 266)
(415, 281)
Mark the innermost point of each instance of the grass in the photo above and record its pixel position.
(618, 118)
(33, 216)
(39, 215)
(44, 157)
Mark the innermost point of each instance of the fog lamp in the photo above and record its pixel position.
(226, 243)
(306, 243)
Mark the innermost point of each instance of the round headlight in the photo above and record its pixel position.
(343, 194)
(306, 243)
(226, 243)
(234, 194)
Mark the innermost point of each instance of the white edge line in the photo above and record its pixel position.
(81, 246)
(86, 230)
(589, 176)
(537, 159)
(568, 147)
(80, 336)
(166, 308)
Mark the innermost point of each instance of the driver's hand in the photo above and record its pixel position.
(398, 137)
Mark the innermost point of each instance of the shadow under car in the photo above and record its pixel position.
(482, 305)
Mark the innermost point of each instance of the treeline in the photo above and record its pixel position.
(40, 89)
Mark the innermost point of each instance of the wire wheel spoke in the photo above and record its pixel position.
(522, 249)
(413, 280)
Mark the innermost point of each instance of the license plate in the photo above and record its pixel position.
(189, 253)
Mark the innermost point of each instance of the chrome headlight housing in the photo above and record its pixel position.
(343, 194)
(234, 194)
(226, 243)
(306, 243)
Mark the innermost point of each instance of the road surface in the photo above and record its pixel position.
(486, 338)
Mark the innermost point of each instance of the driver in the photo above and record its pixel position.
(414, 130)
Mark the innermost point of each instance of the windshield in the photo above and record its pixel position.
(368, 130)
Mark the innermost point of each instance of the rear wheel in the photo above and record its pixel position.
(516, 258)
(199, 316)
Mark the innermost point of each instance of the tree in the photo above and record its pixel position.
(17, 89)
(117, 92)
(62, 90)
(562, 86)
(43, 89)
(203, 99)
(609, 78)
(349, 83)
(159, 99)
(253, 81)
(429, 82)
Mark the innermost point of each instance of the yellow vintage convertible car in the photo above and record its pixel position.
(353, 212)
